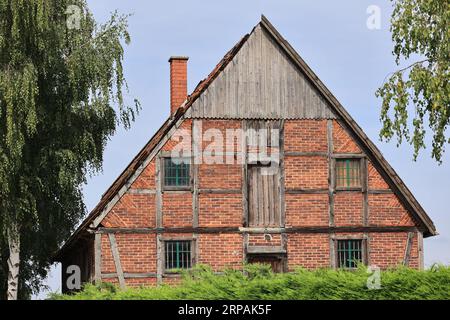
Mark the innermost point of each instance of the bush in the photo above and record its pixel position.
(257, 282)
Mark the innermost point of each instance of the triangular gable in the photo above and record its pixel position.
(326, 106)
(261, 66)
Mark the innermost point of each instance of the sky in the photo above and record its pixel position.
(331, 36)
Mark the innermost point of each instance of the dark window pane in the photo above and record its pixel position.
(178, 254)
(176, 172)
(349, 253)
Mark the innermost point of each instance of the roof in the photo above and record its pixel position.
(368, 146)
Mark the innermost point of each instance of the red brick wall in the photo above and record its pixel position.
(220, 210)
(305, 136)
(376, 181)
(220, 176)
(348, 209)
(177, 209)
(308, 251)
(223, 250)
(307, 210)
(306, 172)
(388, 249)
(342, 141)
(132, 211)
(386, 209)
(260, 239)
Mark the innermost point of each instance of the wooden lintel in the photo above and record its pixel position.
(306, 191)
(305, 154)
(312, 229)
(220, 191)
(128, 275)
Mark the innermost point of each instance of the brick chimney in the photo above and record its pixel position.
(178, 82)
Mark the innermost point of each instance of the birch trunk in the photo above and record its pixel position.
(13, 262)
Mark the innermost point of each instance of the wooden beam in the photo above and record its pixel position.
(347, 155)
(244, 178)
(116, 258)
(97, 257)
(306, 191)
(159, 259)
(158, 198)
(331, 172)
(265, 249)
(407, 255)
(380, 191)
(196, 152)
(128, 275)
(420, 249)
(282, 177)
(332, 244)
(220, 191)
(305, 154)
(141, 191)
(311, 229)
(365, 187)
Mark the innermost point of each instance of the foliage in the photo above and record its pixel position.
(61, 98)
(419, 29)
(259, 283)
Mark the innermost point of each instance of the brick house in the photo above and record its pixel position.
(260, 163)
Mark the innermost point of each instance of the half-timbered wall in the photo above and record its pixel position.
(214, 214)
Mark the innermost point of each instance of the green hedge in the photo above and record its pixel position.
(259, 283)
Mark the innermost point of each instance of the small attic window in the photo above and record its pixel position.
(348, 173)
(176, 173)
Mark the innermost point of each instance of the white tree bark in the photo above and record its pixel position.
(13, 262)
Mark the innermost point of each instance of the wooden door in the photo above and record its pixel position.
(263, 197)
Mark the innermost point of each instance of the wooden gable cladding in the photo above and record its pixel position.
(264, 198)
(261, 82)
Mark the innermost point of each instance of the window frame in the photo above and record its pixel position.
(165, 187)
(362, 171)
(192, 243)
(364, 251)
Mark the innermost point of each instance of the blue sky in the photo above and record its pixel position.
(331, 36)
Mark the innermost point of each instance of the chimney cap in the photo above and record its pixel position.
(178, 58)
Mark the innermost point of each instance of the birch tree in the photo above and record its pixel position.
(417, 96)
(61, 98)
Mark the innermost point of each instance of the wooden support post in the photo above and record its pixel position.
(365, 188)
(159, 259)
(331, 172)
(98, 258)
(332, 251)
(408, 249)
(116, 258)
(158, 198)
(245, 246)
(244, 187)
(195, 162)
(282, 184)
(420, 249)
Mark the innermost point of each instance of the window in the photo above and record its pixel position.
(176, 172)
(178, 254)
(348, 173)
(349, 253)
